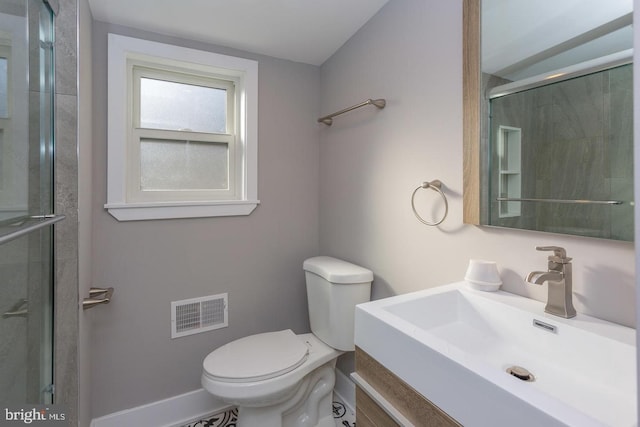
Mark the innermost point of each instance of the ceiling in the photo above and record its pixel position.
(514, 30)
(307, 31)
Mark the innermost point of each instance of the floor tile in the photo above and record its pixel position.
(341, 413)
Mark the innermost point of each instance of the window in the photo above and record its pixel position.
(14, 117)
(182, 132)
(5, 117)
(182, 137)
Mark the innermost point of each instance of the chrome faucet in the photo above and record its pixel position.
(560, 297)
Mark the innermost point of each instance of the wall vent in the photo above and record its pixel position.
(192, 316)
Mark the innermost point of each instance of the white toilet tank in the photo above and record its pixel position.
(334, 287)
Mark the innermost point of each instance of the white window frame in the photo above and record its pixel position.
(124, 200)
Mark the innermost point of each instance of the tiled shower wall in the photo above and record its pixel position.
(66, 203)
(14, 276)
(14, 271)
(577, 143)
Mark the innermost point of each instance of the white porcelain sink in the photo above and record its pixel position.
(454, 344)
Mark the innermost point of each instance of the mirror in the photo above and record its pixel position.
(548, 121)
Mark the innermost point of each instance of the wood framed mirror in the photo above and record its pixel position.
(562, 114)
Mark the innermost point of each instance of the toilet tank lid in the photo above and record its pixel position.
(337, 271)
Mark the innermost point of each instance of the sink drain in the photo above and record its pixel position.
(521, 373)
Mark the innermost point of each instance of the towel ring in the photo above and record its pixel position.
(434, 185)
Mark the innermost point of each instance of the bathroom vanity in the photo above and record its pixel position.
(453, 355)
(384, 400)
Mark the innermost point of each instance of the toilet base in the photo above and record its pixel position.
(310, 405)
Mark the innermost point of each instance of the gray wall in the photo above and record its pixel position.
(257, 259)
(364, 169)
(370, 162)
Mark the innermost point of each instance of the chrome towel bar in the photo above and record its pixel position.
(584, 202)
(328, 119)
(26, 225)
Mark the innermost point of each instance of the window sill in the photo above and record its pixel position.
(150, 211)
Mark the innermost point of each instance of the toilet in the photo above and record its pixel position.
(280, 379)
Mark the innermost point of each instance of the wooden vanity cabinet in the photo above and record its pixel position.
(384, 400)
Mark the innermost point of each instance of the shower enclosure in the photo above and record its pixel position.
(26, 201)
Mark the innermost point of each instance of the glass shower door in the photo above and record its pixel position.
(26, 195)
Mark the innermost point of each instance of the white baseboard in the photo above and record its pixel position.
(179, 410)
(346, 389)
(172, 412)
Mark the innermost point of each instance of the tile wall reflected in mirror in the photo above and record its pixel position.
(571, 140)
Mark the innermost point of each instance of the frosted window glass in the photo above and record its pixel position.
(178, 106)
(183, 165)
(4, 88)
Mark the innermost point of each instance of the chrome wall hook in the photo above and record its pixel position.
(97, 296)
(19, 309)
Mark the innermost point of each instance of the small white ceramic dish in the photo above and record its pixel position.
(483, 275)
(483, 286)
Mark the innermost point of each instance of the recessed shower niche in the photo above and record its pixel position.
(508, 148)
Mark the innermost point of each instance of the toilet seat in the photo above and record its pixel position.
(256, 357)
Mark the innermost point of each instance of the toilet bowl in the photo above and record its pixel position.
(272, 389)
(280, 379)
